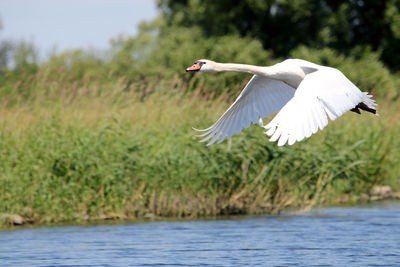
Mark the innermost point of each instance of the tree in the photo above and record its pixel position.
(20, 55)
(5, 52)
(282, 25)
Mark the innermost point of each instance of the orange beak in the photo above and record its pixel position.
(195, 67)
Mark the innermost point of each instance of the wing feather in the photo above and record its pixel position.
(261, 97)
(326, 92)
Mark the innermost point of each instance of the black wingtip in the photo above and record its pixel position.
(364, 107)
(356, 110)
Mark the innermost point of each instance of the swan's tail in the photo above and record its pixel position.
(368, 104)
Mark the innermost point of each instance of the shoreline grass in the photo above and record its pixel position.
(79, 152)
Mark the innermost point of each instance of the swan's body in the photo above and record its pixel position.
(304, 92)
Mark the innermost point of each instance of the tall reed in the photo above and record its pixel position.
(90, 149)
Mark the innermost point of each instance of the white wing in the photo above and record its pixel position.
(321, 93)
(261, 97)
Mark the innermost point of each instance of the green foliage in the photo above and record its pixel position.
(282, 25)
(22, 55)
(170, 52)
(74, 65)
(5, 54)
(166, 54)
(25, 57)
(123, 157)
(160, 52)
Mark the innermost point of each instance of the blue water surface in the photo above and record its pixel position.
(355, 236)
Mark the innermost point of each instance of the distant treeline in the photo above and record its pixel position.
(359, 37)
(282, 25)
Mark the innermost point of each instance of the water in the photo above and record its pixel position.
(358, 236)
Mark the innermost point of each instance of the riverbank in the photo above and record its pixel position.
(376, 194)
(83, 153)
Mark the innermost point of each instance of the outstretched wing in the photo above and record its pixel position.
(321, 93)
(261, 97)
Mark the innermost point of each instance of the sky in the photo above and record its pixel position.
(57, 25)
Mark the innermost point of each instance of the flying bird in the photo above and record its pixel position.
(305, 94)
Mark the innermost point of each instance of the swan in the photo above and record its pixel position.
(305, 93)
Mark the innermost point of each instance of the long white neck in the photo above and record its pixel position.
(256, 70)
(288, 73)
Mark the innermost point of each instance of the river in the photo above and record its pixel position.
(367, 235)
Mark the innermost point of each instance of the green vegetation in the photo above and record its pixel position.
(86, 136)
(84, 149)
(282, 25)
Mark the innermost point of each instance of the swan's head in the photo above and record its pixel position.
(202, 65)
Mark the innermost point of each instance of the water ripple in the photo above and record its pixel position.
(358, 236)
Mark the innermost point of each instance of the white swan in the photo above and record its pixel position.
(304, 92)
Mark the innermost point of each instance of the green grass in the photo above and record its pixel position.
(76, 151)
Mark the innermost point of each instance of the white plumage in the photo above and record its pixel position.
(305, 93)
